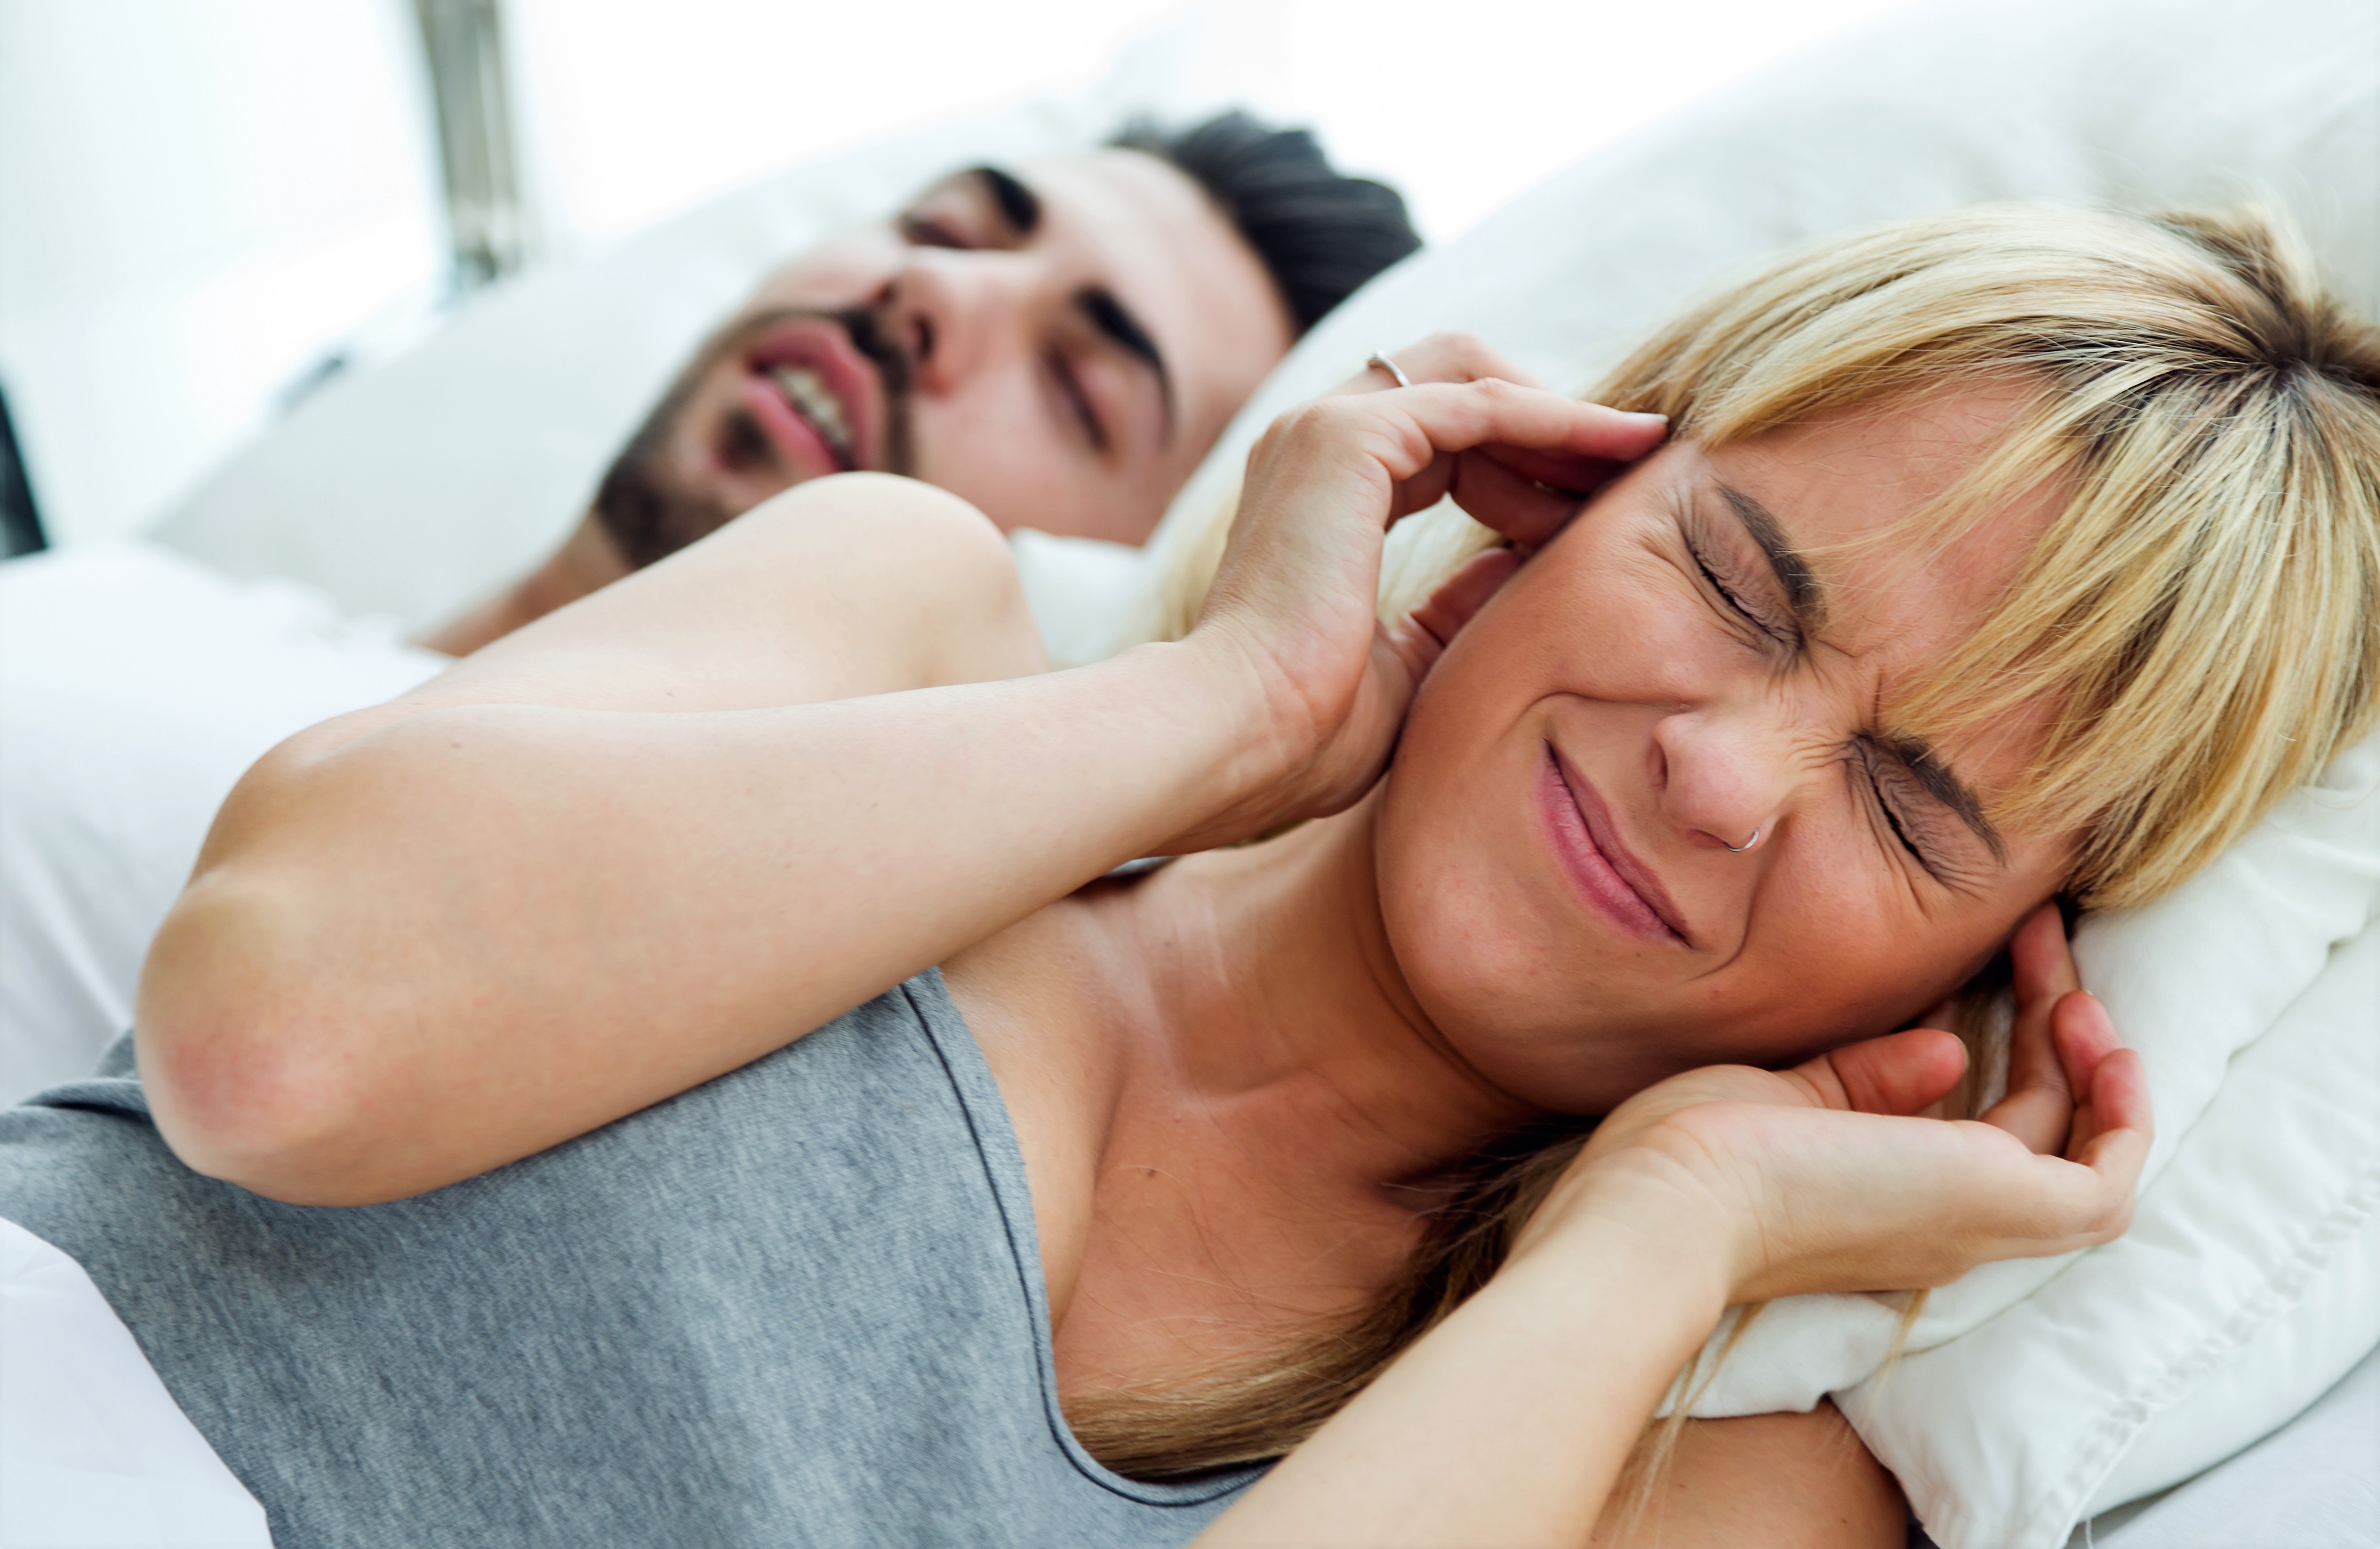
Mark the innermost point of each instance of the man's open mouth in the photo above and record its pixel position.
(807, 392)
(818, 392)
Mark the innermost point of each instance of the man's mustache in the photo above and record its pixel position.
(648, 515)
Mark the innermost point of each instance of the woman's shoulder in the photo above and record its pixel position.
(1036, 1001)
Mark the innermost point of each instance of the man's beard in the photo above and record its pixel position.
(648, 515)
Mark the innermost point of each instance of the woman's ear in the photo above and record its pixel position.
(1459, 600)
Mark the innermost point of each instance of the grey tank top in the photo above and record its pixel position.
(800, 1304)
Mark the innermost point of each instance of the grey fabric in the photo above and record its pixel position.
(801, 1304)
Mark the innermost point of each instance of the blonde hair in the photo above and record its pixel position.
(2203, 612)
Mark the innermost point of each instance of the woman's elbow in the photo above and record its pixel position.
(250, 1073)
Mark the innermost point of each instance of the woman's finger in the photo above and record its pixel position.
(1900, 1074)
(1444, 417)
(1575, 476)
(2091, 1202)
(2086, 1036)
(1439, 357)
(2120, 1099)
(2039, 1106)
(1496, 495)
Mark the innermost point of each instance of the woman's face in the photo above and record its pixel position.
(1689, 665)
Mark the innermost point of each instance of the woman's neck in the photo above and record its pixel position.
(1230, 1105)
(1273, 1000)
(1270, 1106)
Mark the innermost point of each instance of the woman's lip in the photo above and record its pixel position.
(1613, 881)
(822, 344)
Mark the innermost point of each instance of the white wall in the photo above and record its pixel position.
(637, 108)
(196, 198)
(640, 109)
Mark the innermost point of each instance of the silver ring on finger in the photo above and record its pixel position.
(1380, 359)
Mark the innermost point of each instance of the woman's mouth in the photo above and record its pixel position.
(1611, 881)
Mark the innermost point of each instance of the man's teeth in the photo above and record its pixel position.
(815, 401)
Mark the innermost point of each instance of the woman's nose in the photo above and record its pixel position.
(1722, 777)
(955, 312)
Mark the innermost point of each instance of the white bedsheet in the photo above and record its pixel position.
(94, 1453)
(136, 688)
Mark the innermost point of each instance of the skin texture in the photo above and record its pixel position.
(1233, 1082)
(1019, 404)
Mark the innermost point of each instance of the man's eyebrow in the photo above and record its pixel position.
(1019, 206)
(1111, 317)
(1803, 593)
(1941, 783)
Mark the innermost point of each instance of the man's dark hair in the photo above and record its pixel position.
(1320, 232)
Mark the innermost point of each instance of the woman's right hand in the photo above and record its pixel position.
(1825, 1178)
(1291, 614)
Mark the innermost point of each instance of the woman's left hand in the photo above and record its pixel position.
(1833, 1179)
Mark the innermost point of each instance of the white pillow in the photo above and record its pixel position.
(2040, 1390)
(510, 416)
(135, 688)
(2315, 1484)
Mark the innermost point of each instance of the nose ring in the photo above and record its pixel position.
(1739, 849)
(1380, 359)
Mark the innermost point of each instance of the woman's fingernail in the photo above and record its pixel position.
(1656, 419)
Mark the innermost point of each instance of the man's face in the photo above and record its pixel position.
(1059, 346)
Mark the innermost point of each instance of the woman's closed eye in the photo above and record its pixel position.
(1901, 806)
(1741, 599)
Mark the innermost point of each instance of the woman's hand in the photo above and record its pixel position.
(1825, 1179)
(1290, 613)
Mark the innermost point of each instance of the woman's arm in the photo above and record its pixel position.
(1513, 1423)
(628, 849)
(1509, 1422)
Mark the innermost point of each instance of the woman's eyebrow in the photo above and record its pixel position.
(1804, 597)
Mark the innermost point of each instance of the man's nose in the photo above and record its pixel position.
(958, 312)
(1726, 774)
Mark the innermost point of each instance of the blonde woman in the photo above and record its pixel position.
(1979, 561)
